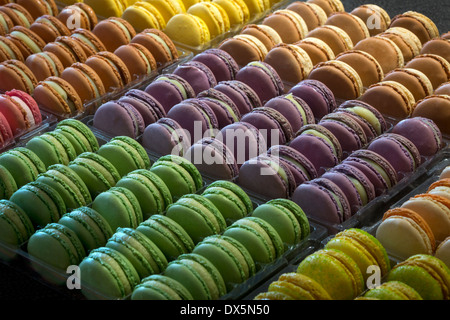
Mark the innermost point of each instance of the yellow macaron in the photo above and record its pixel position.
(143, 15)
(188, 29)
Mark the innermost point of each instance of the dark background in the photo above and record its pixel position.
(17, 285)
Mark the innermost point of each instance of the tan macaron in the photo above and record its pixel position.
(313, 14)
(351, 24)
(435, 67)
(364, 64)
(338, 40)
(414, 80)
(317, 49)
(407, 41)
(376, 18)
(422, 26)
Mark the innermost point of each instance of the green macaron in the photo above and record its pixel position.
(23, 165)
(197, 215)
(168, 235)
(107, 274)
(96, 171)
(229, 256)
(180, 175)
(230, 199)
(119, 207)
(260, 239)
(52, 148)
(393, 290)
(198, 275)
(79, 134)
(15, 226)
(125, 154)
(160, 287)
(143, 254)
(68, 184)
(7, 183)
(91, 228)
(151, 192)
(42, 203)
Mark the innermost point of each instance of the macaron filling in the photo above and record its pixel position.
(8, 49)
(23, 76)
(61, 92)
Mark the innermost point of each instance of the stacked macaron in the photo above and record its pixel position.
(424, 219)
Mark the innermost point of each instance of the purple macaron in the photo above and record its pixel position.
(267, 176)
(166, 136)
(243, 96)
(197, 74)
(317, 95)
(223, 107)
(118, 118)
(323, 201)
(196, 117)
(221, 63)
(169, 90)
(263, 79)
(272, 124)
(423, 132)
(213, 159)
(295, 110)
(401, 153)
(244, 140)
(150, 109)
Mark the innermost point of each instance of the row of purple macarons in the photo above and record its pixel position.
(333, 144)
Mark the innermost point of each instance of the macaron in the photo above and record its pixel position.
(266, 34)
(68, 184)
(143, 254)
(67, 49)
(97, 172)
(159, 44)
(7, 183)
(169, 90)
(14, 74)
(198, 275)
(223, 107)
(437, 46)
(213, 15)
(160, 287)
(88, 40)
(434, 107)
(221, 63)
(79, 134)
(18, 14)
(244, 48)
(180, 175)
(6, 23)
(48, 28)
(393, 290)
(422, 26)
(120, 207)
(404, 223)
(323, 201)
(408, 43)
(9, 50)
(39, 8)
(169, 8)
(196, 32)
(367, 67)
(428, 139)
(58, 96)
(169, 236)
(342, 279)
(376, 18)
(439, 187)
(197, 74)
(317, 96)
(426, 274)
(435, 67)
(337, 39)
(354, 26)
(138, 59)
(85, 81)
(149, 108)
(90, 227)
(84, 13)
(317, 49)
(213, 159)
(15, 224)
(288, 24)
(256, 7)
(313, 14)
(229, 256)
(329, 6)
(44, 64)
(237, 11)
(23, 165)
(197, 215)
(243, 96)
(125, 154)
(114, 32)
(414, 80)
(142, 15)
(107, 274)
(126, 119)
(263, 79)
(442, 252)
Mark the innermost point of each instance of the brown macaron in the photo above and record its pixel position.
(26, 40)
(364, 64)
(244, 48)
(266, 34)
(407, 41)
(137, 58)
(56, 95)
(338, 40)
(390, 98)
(329, 6)
(414, 80)
(14, 74)
(18, 14)
(439, 46)
(436, 68)
(436, 108)
(9, 50)
(313, 14)
(78, 12)
(114, 32)
(111, 69)
(6, 23)
(85, 81)
(88, 40)
(340, 78)
(422, 26)
(158, 43)
(351, 24)
(68, 50)
(317, 49)
(49, 28)
(38, 8)
(387, 53)
(376, 18)
(443, 89)
(44, 64)
(288, 24)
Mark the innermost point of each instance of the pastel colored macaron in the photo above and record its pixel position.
(439, 187)
(198, 32)
(442, 252)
